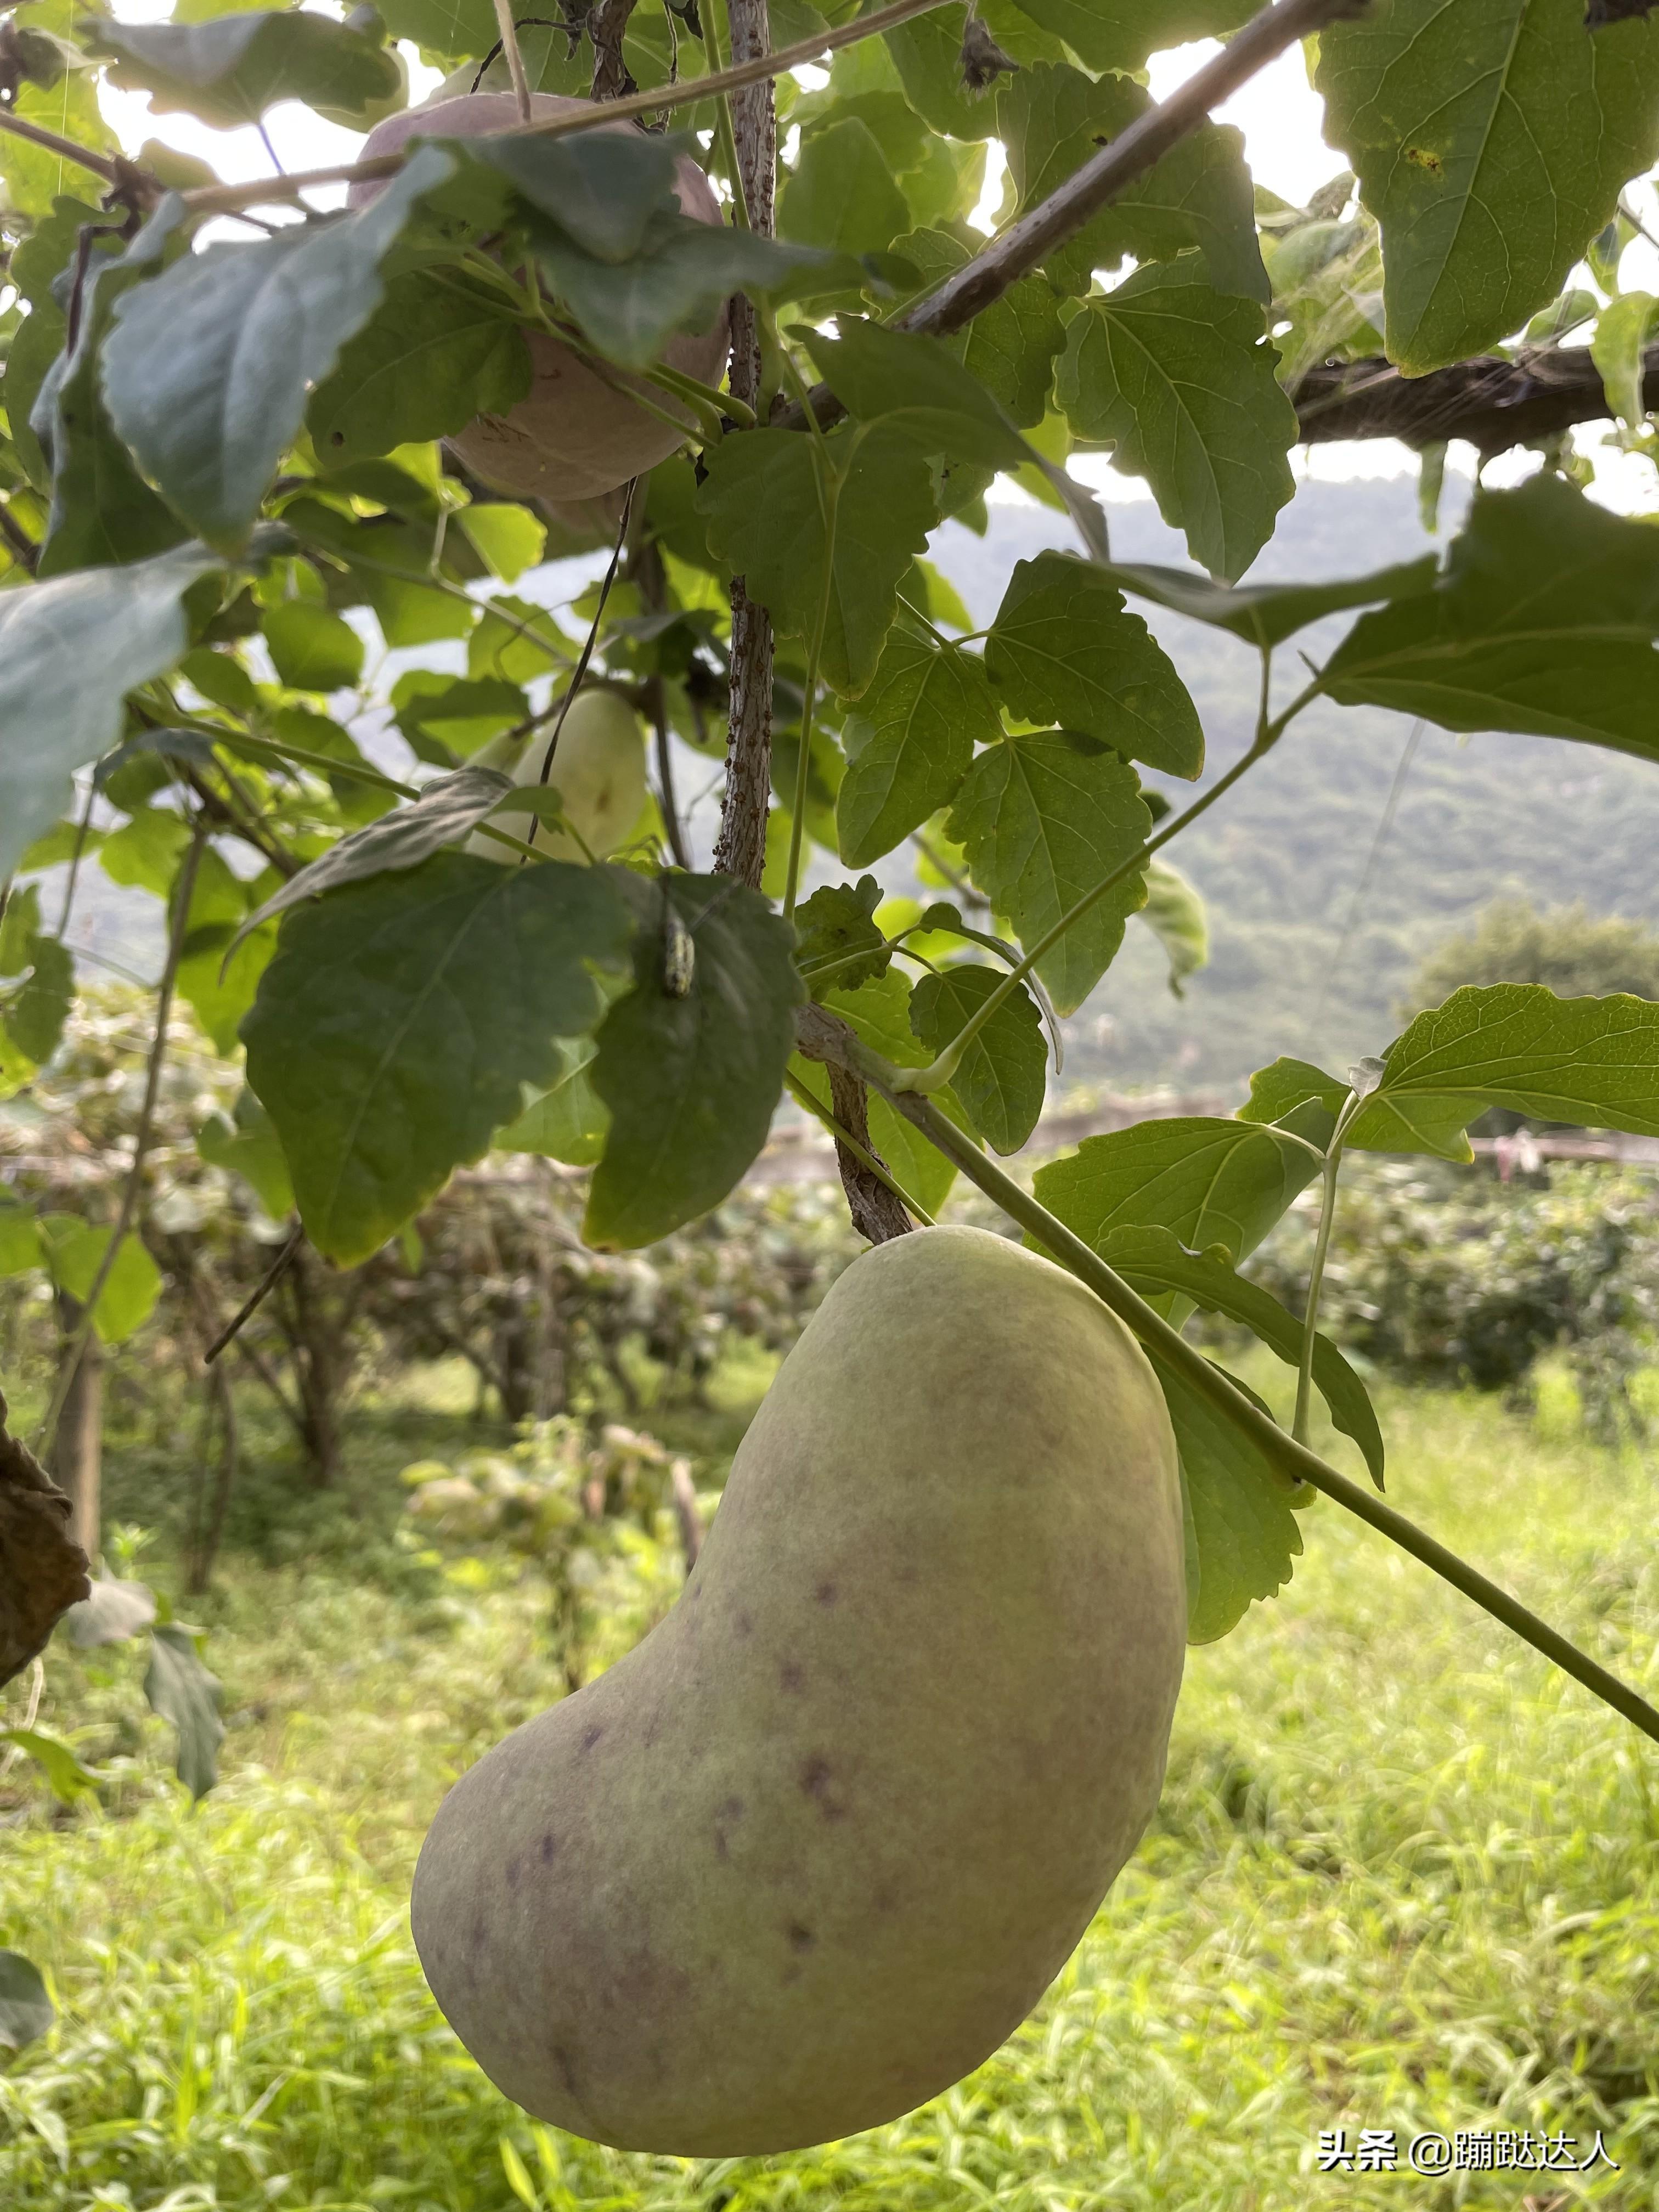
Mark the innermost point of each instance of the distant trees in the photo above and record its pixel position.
(1575, 953)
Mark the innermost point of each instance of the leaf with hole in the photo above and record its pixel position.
(840, 946)
(401, 1017)
(1491, 141)
(430, 358)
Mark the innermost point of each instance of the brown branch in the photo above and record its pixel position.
(251, 1305)
(740, 849)
(227, 200)
(99, 164)
(1489, 403)
(877, 1214)
(607, 24)
(43, 1570)
(158, 1051)
(1025, 244)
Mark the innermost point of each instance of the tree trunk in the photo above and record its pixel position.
(205, 1550)
(77, 1457)
(741, 848)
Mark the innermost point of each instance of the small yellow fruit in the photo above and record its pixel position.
(599, 772)
(577, 436)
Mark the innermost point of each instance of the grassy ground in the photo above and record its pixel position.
(1402, 1877)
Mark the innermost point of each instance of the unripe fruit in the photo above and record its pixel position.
(815, 1848)
(599, 772)
(576, 435)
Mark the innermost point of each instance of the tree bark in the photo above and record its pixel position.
(877, 1212)
(77, 1457)
(740, 850)
(606, 22)
(1489, 403)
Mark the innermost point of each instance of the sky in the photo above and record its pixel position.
(1278, 113)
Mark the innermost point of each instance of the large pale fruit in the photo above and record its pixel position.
(576, 435)
(599, 772)
(819, 1844)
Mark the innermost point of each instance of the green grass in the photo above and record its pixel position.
(1402, 1876)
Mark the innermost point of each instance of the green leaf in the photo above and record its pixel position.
(207, 368)
(460, 29)
(1592, 1062)
(400, 1017)
(1043, 819)
(1063, 650)
(461, 713)
(509, 539)
(182, 1691)
(69, 650)
(1118, 35)
(1265, 615)
(679, 280)
(1242, 1534)
(1176, 914)
(66, 1777)
(1622, 329)
(915, 385)
(1154, 1261)
(569, 1122)
(691, 1079)
(1000, 1080)
(447, 811)
(1545, 620)
(1491, 141)
(245, 1143)
(766, 499)
(840, 946)
(35, 177)
(927, 52)
(1179, 377)
(1011, 346)
(75, 1252)
(911, 743)
(841, 195)
(20, 1250)
(231, 69)
(103, 512)
(33, 1015)
(1211, 1181)
(430, 358)
(1053, 119)
(1277, 1092)
(312, 649)
(26, 2011)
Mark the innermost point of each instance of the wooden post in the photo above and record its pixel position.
(78, 1458)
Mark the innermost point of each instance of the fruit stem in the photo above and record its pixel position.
(1331, 1170)
(1284, 1451)
(829, 494)
(509, 31)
